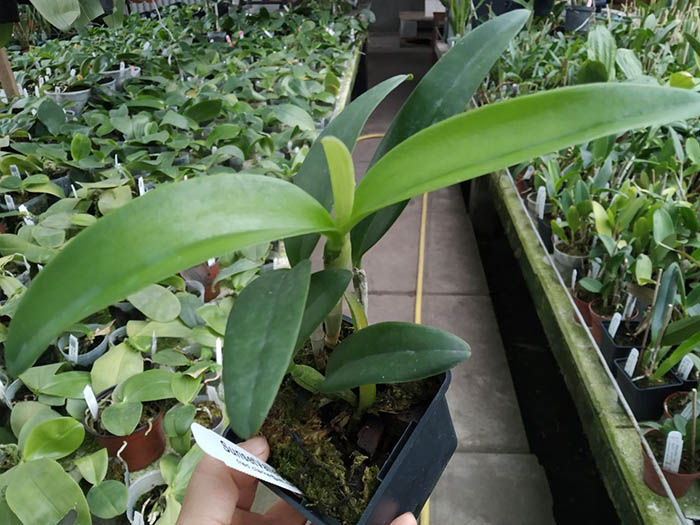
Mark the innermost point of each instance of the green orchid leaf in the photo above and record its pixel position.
(151, 385)
(116, 365)
(121, 419)
(185, 387)
(66, 384)
(325, 290)
(176, 120)
(225, 213)
(488, 141)
(292, 116)
(53, 439)
(665, 296)
(60, 14)
(342, 172)
(591, 71)
(681, 330)
(93, 467)
(205, 110)
(113, 198)
(156, 302)
(313, 176)
(663, 230)
(392, 353)
(602, 48)
(29, 414)
(687, 346)
(52, 116)
(178, 419)
(80, 147)
(443, 92)
(630, 65)
(184, 471)
(260, 340)
(108, 499)
(42, 492)
(171, 357)
(642, 270)
(223, 132)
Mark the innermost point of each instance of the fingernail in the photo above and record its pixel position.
(256, 445)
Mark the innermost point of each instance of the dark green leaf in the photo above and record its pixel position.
(52, 116)
(108, 499)
(260, 339)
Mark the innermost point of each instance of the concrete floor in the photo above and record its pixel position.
(492, 479)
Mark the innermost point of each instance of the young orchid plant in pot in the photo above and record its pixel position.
(227, 212)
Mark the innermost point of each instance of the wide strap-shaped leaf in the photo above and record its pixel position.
(173, 227)
(500, 135)
(326, 289)
(392, 353)
(59, 13)
(313, 176)
(443, 92)
(54, 439)
(260, 339)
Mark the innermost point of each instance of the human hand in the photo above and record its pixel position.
(219, 495)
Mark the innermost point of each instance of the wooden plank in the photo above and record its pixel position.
(7, 77)
(614, 442)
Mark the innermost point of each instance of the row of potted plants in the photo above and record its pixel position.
(620, 214)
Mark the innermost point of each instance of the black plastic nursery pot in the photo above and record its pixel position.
(612, 350)
(578, 18)
(408, 476)
(544, 228)
(646, 403)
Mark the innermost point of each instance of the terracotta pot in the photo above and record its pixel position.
(679, 483)
(145, 445)
(205, 274)
(584, 307)
(596, 321)
(667, 414)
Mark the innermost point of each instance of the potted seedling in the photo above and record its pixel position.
(675, 448)
(34, 486)
(107, 496)
(572, 249)
(129, 418)
(121, 73)
(157, 495)
(577, 15)
(228, 212)
(82, 344)
(72, 94)
(645, 377)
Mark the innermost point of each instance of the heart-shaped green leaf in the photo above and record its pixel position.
(93, 467)
(108, 499)
(156, 302)
(121, 419)
(178, 419)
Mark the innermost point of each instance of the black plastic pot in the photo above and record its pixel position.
(610, 349)
(578, 18)
(408, 476)
(544, 228)
(646, 403)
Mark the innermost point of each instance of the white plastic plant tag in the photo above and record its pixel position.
(185, 178)
(595, 266)
(614, 324)
(36, 91)
(631, 362)
(629, 306)
(219, 351)
(138, 519)
(40, 266)
(14, 171)
(541, 197)
(170, 59)
(48, 71)
(116, 161)
(122, 66)
(142, 186)
(72, 348)
(674, 449)
(268, 34)
(75, 192)
(24, 211)
(91, 401)
(574, 274)
(685, 367)
(9, 202)
(72, 73)
(688, 410)
(154, 343)
(147, 46)
(214, 149)
(3, 395)
(237, 458)
(211, 262)
(41, 82)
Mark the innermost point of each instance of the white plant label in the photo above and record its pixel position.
(142, 186)
(574, 274)
(122, 66)
(268, 34)
(9, 202)
(36, 91)
(614, 324)
(237, 458)
(48, 71)
(72, 348)
(214, 149)
(541, 197)
(685, 367)
(75, 192)
(14, 171)
(211, 262)
(91, 401)
(72, 73)
(688, 410)
(596, 265)
(154, 343)
(41, 82)
(219, 351)
(674, 449)
(147, 46)
(631, 362)
(23, 210)
(3, 395)
(629, 306)
(138, 519)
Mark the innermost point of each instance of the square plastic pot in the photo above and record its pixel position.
(408, 476)
(610, 349)
(646, 403)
